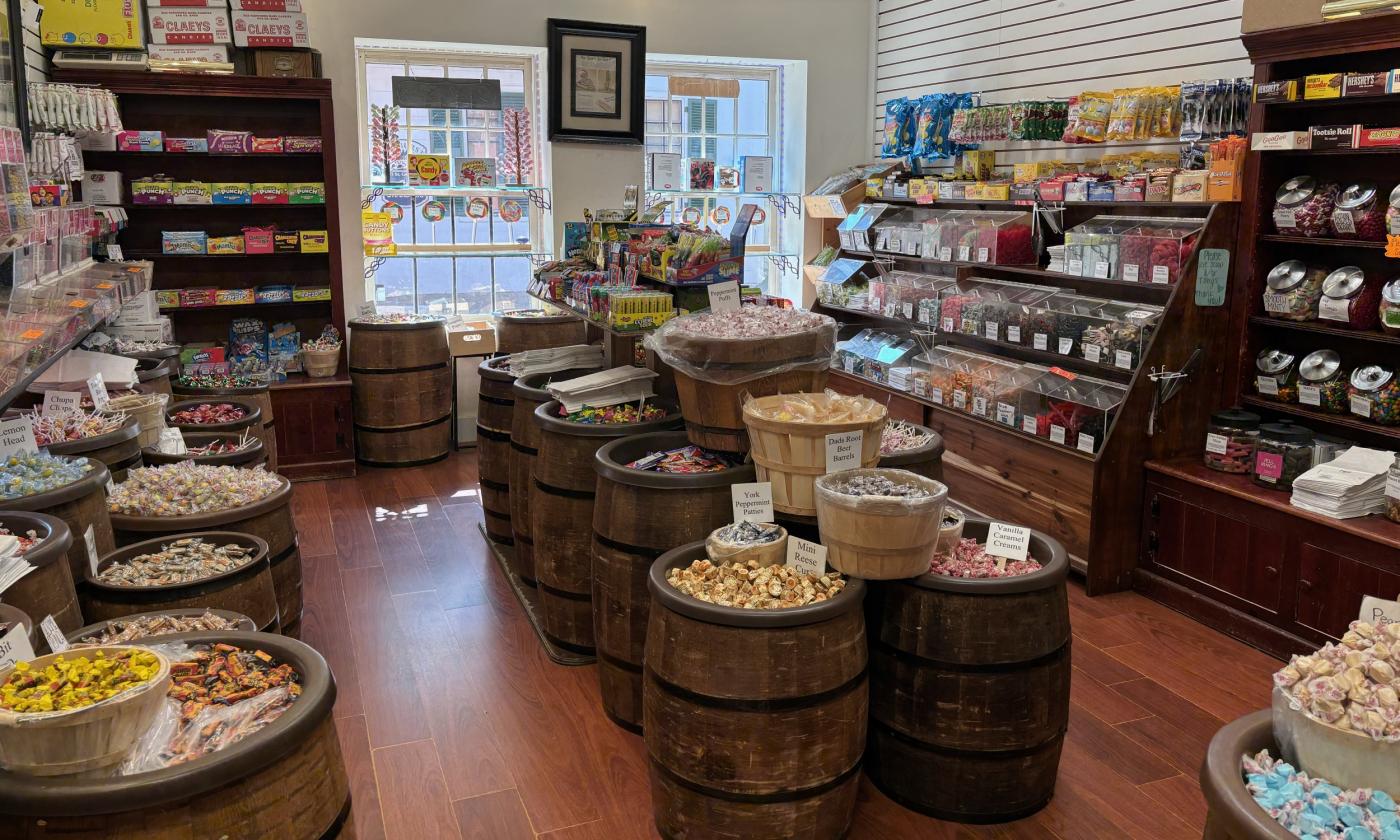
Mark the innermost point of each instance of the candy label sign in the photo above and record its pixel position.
(1379, 611)
(98, 389)
(15, 647)
(17, 437)
(57, 402)
(724, 297)
(843, 450)
(809, 558)
(1010, 541)
(752, 502)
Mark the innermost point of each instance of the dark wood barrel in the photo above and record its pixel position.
(253, 455)
(258, 396)
(561, 504)
(82, 506)
(926, 460)
(969, 689)
(1232, 813)
(10, 614)
(637, 517)
(153, 375)
(517, 333)
(269, 518)
(250, 422)
(755, 719)
(119, 449)
(244, 623)
(494, 408)
(287, 780)
(402, 386)
(49, 589)
(530, 393)
(246, 590)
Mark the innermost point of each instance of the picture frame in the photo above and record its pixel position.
(597, 80)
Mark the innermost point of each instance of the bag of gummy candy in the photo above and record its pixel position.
(899, 130)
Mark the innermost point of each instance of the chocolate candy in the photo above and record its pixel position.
(124, 631)
(752, 587)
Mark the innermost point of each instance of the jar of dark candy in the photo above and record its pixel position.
(1360, 213)
(1285, 451)
(1375, 395)
(1231, 438)
(1322, 383)
(1392, 213)
(1275, 376)
(1392, 493)
(1389, 310)
(1348, 300)
(1292, 290)
(1303, 207)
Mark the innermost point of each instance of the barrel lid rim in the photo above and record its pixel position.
(1051, 574)
(204, 521)
(606, 466)
(546, 419)
(252, 416)
(52, 546)
(1223, 785)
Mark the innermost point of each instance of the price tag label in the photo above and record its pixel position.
(752, 502)
(1360, 406)
(964, 253)
(1057, 433)
(1085, 443)
(1267, 385)
(1066, 345)
(1331, 309)
(1310, 395)
(1101, 269)
(960, 399)
(1075, 267)
(982, 255)
(945, 254)
(923, 315)
(935, 395)
(1130, 272)
(17, 437)
(1286, 218)
(843, 450)
(724, 297)
(1006, 414)
(1342, 222)
(1013, 334)
(1092, 352)
(114, 252)
(809, 558)
(58, 643)
(909, 311)
(992, 330)
(90, 540)
(57, 402)
(1161, 274)
(1379, 611)
(920, 388)
(15, 647)
(1275, 302)
(1040, 341)
(835, 205)
(849, 363)
(979, 406)
(98, 390)
(1123, 359)
(889, 309)
(947, 325)
(1028, 425)
(1010, 541)
(32, 335)
(1216, 444)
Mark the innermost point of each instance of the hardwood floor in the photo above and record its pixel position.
(456, 725)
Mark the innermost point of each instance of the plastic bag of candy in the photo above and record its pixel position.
(899, 128)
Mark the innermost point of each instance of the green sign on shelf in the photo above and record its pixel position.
(1212, 276)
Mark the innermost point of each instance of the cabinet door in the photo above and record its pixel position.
(313, 425)
(1331, 586)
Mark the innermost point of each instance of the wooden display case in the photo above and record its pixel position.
(313, 415)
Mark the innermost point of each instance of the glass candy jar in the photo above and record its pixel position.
(1284, 453)
(1389, 309)
(1392, 493)
(1375, 395)
(1359, 213)
(1392, 213)
(1231, 439)
(1348, 300)
(1275, 376)
(1322, 382)
(1303, 207)
(1292, 290)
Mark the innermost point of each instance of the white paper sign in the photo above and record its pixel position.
(959, 399)
(58, 643)
(809, 558)
(366, 308)
(948, 325)
(1076, 267)
(1092, 352)
(1123, 359)
(1379, 611)
(1216, 444)
(724, 297)
(1066, 345)
(56, 402)
(1286, 218)
(114, 252)
(15, 647)
(1342, 222)
(1130, 272)
(982, 255)
(752, 502)
(1267, 385)
(1057, 433)
(1010, 541)
(843, 450)
(1028, 425)
(1332, 309)
(1101, 269)
(1360, 406)
(935, 395)
(979, 406)
(945, 254)
(1161, 274)
(1006, 414)
(964, 253)
(98, 389)
(17, 437)
(90, 540)
(1013, 335)
(1085, 443)
(1041, 341)
(1275, 302)
(1310, 395)
(991, 330)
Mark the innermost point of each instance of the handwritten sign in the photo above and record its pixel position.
(809, 558)
(843, 450)
(366, 309)
(58, 643)
(1212, 276)
(15, 647)
(114, 252)
(1379, 611)
(98, 389)
(58, 402)
(724, 297)
(752, 502)
(1010, 541)
(17, 437)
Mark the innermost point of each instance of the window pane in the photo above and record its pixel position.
(506, 231)
(474, 285)
(512, 279)
(394, 282)
(753, 106)
(724, 115)
(455, 72)
(435, 285)
(724, 151)
(657, 87)
(379, 84)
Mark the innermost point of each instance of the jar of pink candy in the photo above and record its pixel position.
(1231, 439)
(1348, 300)
(1303, 207)
(1359, 213)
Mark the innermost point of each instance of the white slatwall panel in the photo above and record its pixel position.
(36, 60)
(1029, 49)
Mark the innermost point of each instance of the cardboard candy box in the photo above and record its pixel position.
(187, 145)
(310, 192)
(258, 240)
(153, 191)
(270, 29)
(269, 193)
(93, 23)
(233, 193)
(190, 26)
(193, 192)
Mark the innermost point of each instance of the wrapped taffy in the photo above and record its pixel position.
(828, 407)
(1352, 685)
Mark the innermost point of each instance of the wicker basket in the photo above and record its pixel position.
(149, 411)
(950, 531)
(792, 455)
(880, 537)
(765, 554)
(82, 740)
(320, 364)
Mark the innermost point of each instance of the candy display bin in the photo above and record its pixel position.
(1004, 305)
(1078, 412)
(1091, 248)
(1156, 250)
(1073, 315)
(872, 353)
(14, 363)
(40, 341)
(61, 323)
(949, 370)
(1037, 321)
(1002, 237)
(1005, 393)
(1118, 333)
(986, 385)
(911, 232)
(1033, 404)
(955, 305)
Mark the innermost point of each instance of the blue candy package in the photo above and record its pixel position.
(899, 128)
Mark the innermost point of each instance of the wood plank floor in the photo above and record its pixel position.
(456, 725)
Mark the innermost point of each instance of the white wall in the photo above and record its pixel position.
(833, 36)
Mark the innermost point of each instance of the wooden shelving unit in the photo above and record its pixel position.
(1219, 547)
(313, 415)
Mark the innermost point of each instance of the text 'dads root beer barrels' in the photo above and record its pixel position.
(755, 719)
(401, 380)
(969, 688)
(494, 408)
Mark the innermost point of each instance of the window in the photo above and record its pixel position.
(459, 249)
(702, 108)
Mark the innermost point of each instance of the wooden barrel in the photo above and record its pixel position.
(82, 506)
(10, 614)
(153, 375)
(119, 449)
(969, 689)
(259, 396)
(401, 377)
(755, 719)
(244, 623)
(530, 393)
(48, 590)
(253, 455)
(269, 518)
(561, 504)
(1232, 813)
(250, 422)
(517, 333)
(287, 780)
(926, 460)
(637, 517)
(246, 590)
(494, 409)
(496, 401)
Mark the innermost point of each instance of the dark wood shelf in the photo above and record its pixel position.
(1342, 102)
(1332, 152)
(256, 207)
(205, 155)
(1322, 418)
(1320, 241)
(157, 255)
(1320, 329)
(300, 381)
(1014, 204)
(186, 310)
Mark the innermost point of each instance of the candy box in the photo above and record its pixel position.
(1274, 141)
(102, 187)
(48, 195)
(226, 244)
(247, 339)
(189, 26)
(222, 142)
(269, 193)
(270, 29)
(99, 23)
(167, 298)
(301, 145)
(265, 5)
(274, 294)
(284, 340)
(257, 240)
(1285, 90)
(474, 172)
(267, 145)
(234, 297)
(140, 141)
(1333, 136)
(1364, 84)
(193, 192)
(1190, 186)
(309, 192)
(306, 294)
(429, 170)
(1375, 138)
(314, 242)
(183, 242)
(198, 296)
(233, 193)
(286, 242)
(1323, 86)
(186, 145)
(206, 53)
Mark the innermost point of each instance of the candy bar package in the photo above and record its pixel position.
(140, 141)
(286, 242)
(314, 242)
(274, 294)
(247, 339)
(198, 297)
(267, 145)
(900, 118)
(182, 242)
(257, 240)
(234, 297)
(301, 145)
(311, 192)
(226, 244)
(193, 192)
(305, 294)
(189, 26)
(186, 145)
(222, 142)
(270, 193)
(233, 193)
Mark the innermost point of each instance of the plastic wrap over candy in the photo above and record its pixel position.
(732, 348)
(885, 492)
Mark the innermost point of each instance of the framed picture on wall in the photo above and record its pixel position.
(597, 74)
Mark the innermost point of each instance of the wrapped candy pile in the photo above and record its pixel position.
(329, 339)
(900, 435)
(626, 413)
(1310, 807)
(26, 475)
(753, 587)
(219, 381)
(207, 413)
(750, 322)
(186, 488)
(127, 630)
(181, 561)
(72, 424)
(970, 560)
(76, 682)
(830, 407)
(687, 459)
(396, 318)
(127, 345)
(747, 533)
(26, 540)
(1352, 685)
(878, 485)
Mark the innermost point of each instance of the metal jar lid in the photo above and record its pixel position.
(1320, 365)
(1391, 292)
(1395, 197)
(1287, 275)
(1285, 433)
(1296, 190)
(1235, 418)
(1344, 283)
(1356, 196)
(1273, 362)
(1370, 378)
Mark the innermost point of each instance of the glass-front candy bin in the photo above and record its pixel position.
(1119, 333)
(1092, 247)
(1156, 250)
(956, 307)
(1073, 315)
(1078, 412)
(949, 370)
(1019, 322)
(1007, 390)
(1001, 237)
(986, 386)
(1002, 304)
(901, 233)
